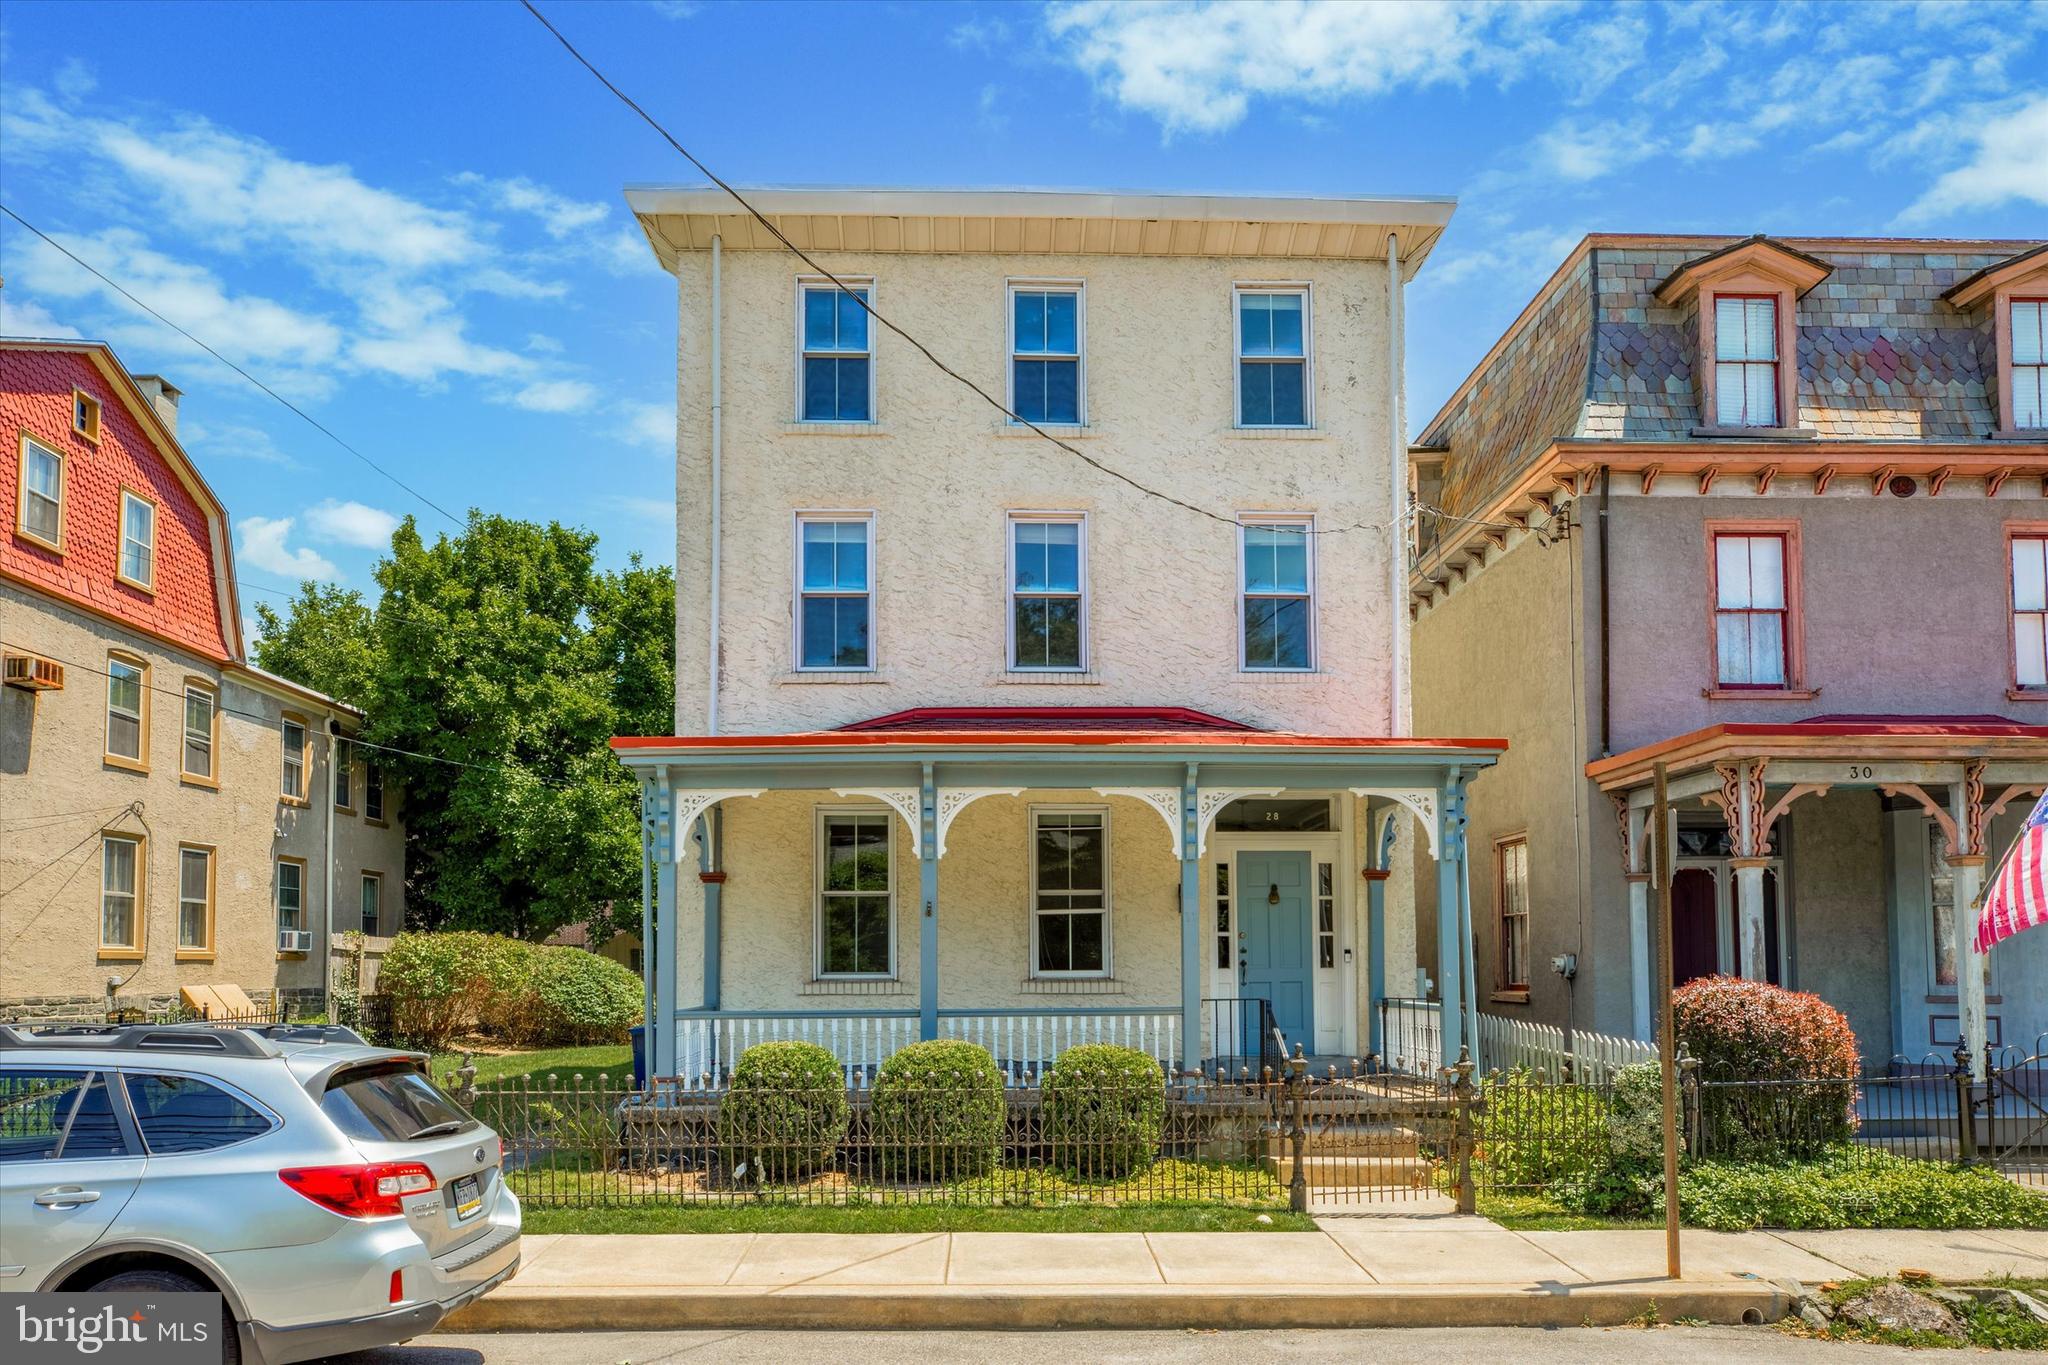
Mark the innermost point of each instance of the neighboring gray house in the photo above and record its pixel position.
(1770, 513)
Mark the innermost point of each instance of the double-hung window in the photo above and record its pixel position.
(1277, 605)
(195, 899)
(836, 367)
(201, 713)
(120, 893)
(373, 792)
(344, 777)
(2029, 368)
(1045, 353)
(138, 541)
(127, 714)
(1048, 608)
(291, 894)
(373, 903)
(856, 935)
(1070, 893)
(292, 780)
(1272, 357)
(835, 597)
(42, 494)
(1752, 611)
(1511, 872)
(1745, 361)
(2030, 610)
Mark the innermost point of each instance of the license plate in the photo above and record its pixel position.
(467, 1195)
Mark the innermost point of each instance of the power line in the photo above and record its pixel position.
(308, 418)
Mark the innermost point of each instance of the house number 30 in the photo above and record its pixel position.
(1859, 772)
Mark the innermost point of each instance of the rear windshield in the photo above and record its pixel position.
(391, 1104)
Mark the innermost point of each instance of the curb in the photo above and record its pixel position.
(958, 1308)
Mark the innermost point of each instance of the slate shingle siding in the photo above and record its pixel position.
(1881, 356)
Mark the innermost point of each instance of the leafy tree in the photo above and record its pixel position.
(494, 667)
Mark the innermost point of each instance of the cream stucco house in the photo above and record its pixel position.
(1089, 726)
(171, 817)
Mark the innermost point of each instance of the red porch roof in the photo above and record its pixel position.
(1831, 736)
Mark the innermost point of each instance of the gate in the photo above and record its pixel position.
(1363, 1135)
(2012, 1122)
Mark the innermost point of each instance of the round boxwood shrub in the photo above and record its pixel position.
(939, 1112)
(579, 997)
(1104, 1109)
(1777, 1068)
(784, 1114)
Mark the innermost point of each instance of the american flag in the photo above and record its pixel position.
(2018, 898)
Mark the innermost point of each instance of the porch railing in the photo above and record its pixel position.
(1024, 1042)
(1412, 1032)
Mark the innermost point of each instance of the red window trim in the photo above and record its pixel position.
(2015, 690)
(1503, 972)
(1776, 364)
(2012, 367)
(1794, 687)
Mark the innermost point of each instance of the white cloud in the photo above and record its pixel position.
(555, 395)
(560, 215)
(651, 424)
(1578, 151)
(21, 317)
(674, 9)
(2009, 163)
(658, 510)
(205, 442)
(74, 80)
(263, 545)
(351, 523)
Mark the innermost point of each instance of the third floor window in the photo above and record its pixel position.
(2030, 363)
(836, 373)
(1746, 362)
(1045, 353)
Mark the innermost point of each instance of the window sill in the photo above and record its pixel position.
(1755, 433)
(1510, 997)
(827, 677)
(126, 765)
(375, 823)
(120, 954)
(138, 585)
(195, 955)
(1066, 431)
(1049, 677)
(834, 429)
(47, 547)
(296, 802)
(1760, 693)
(1070, 985)
(2026, 694)
(344, 810)
(291, 957)
(211, 784)
(1258, 677)
(1275, 434)
(854, 985)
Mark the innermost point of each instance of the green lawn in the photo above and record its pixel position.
(920, 1218)
(609, 1065)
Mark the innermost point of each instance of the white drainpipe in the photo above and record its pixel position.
(717, 470)
(1397, 530)
(327, 880)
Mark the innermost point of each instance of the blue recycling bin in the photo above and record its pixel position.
(639, 1032)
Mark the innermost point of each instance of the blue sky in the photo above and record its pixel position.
(408, 217)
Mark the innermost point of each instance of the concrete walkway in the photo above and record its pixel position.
(1355, 1272)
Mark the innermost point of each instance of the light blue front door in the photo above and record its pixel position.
(1273, 952)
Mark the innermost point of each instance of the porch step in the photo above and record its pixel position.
(1376, 1140)
(1353, 1172)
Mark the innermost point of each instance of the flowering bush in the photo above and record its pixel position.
(1777, 1068)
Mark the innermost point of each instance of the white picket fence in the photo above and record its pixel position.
(1024, 1043)
(1507, 1044)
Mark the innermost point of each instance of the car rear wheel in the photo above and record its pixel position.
(170, 1282)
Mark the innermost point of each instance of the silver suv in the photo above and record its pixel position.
(333, 1197)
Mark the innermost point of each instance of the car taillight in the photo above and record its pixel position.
(398, 1286)
(501, 1151)
(369, 1191)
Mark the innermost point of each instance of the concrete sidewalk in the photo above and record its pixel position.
(1355, 1272)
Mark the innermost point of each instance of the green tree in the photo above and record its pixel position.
(495, 667)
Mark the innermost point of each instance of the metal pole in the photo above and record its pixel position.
(1667, 1042)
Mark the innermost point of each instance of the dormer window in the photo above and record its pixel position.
(2029, 325)
(2012, 295)
(85, 415)
(1746, 361)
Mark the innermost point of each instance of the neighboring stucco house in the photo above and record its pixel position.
(1769, 512)
(170, 816)
(975, 738)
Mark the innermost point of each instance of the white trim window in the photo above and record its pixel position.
(126, 684)
(835, 352)
(120, 891)
(2028, 326)
(1745, 361)
(1273, 388)
(291, 894)
(856, 894)
(195, 898)
(835, 601)
(42, 492)
(1070, 892)
(138, 540)
(373, 903)
(1046, 331)
(1048, 626)
(292, 742)
(1276, 607)
(200, 704)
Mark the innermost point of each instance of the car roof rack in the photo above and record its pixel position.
(225, 1042)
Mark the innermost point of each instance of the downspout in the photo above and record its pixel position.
(1606, 672)
(717, 469)
(327, 880)
(1397, 524)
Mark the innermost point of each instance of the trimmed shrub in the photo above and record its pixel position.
(939, 1112)
(440, 985)
(579, 997)
(1105, 1107)
(1777, 1068)
(443, 985)
(784, 1115)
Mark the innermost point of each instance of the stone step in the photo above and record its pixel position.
(1353, 1172)
(1374, 1140)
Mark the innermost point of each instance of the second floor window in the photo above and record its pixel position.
(291, 894)
(373, 903)
(1751, 615)
(1272, 358)
(1277, 604)
(836, 381)
(120, 892)
(344, 778)
(138, 540)
(1047, 608)
(835, 604)
(1746, 362)
(127, 727)
(1511, 866)
(2029, 323)
(42, 493)
(199, 719)
(373, 792)
(1045, 354)
(292, 785)
(2030, 610)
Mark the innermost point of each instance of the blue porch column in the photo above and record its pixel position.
(1190, 926)
(928, 895)
(711, 872)
(647, 915)
(1450, 873)
(661, 1036)
(1382, 850)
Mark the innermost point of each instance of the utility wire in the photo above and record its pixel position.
(308, 418)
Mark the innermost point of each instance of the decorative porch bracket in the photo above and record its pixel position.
(1165, 800)
(1421, 800)
(953, 800)
(1211, 802)
(904, 801)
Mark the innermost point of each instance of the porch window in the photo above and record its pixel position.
(836, 364)
(1047, 608)
(835, 607)
(1746, 361)
(2030, 610)
(1750, 610)
(120, 893)
(1272, 358)
(2029, 363)
(127, 716)
(855, 895)
(1070, 893)
(1511, 869)
(1278, 598)
(1045, 353)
